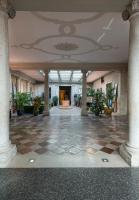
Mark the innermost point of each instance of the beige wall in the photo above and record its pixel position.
(96, 75)
(115, 78)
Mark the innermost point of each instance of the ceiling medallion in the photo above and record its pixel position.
(66, 46)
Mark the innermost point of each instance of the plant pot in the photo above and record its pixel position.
(19, 112)
(97, 114)
(41, 109)
(28, 109)
(108, 111)
(36, 113)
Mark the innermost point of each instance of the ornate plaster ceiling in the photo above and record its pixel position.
(68, 37)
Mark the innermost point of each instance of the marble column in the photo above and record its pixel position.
(130, 150)
(84, 94)
(46, 92)
(7, 151)
(123, 92)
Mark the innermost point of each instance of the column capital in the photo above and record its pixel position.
(84, 71)
(46, 70)
(3, 4)
(130, 10)
(7, 7)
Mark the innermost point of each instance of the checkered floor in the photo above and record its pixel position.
(66, 132)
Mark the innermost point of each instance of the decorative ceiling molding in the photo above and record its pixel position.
(65, 22)
(72, 66)
(69, 42)
(95, 45)
(66, 46)
(70, 6)
(64, 59)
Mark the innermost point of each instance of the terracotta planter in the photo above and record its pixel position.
(108, 111)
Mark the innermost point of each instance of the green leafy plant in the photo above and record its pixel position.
(98, 102)
(55, 100)
(21, 100)
(90, 92)
(109, 95)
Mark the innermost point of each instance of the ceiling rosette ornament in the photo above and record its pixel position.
(66, 46)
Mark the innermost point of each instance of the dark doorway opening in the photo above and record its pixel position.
(64, 94)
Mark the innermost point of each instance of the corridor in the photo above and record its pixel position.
(66, 139)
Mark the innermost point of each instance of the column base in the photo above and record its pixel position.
(7, 154)
(46, 113)
(84, 113)
(130, 155)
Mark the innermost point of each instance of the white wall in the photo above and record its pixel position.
(39, 89)
(75, 89)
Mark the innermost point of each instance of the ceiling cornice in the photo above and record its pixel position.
(71, 66)
(71, 6)
(22, 75)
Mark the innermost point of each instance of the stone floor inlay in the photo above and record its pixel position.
(68, 134)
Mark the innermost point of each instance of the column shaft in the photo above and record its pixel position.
(123, 92)
(84, 95)
(130, 150)
(7, 151)
(133, 78)
(46, 92)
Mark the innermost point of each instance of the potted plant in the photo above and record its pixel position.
(21, 100)
(90, 95)
(98, 102)
(109, 100)
(36, 105)
(55, 100)
(41, 109)
(90, 92)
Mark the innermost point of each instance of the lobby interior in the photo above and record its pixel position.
(62, 50)
(69, 99)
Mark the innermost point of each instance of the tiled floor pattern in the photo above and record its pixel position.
(68, 134)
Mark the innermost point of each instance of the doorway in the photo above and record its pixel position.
(64, 94)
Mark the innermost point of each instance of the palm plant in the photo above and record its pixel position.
(109, 95)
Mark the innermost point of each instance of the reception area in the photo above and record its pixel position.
(69, 79)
